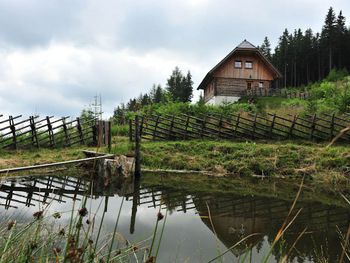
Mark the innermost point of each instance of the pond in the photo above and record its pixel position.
(198, 226)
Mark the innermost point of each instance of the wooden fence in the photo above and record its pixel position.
(18, 133)
(262, 92)
(321, 127)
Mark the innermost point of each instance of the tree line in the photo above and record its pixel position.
(179, 88)
(306, 57)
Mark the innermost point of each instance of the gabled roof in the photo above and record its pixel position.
(244, 46)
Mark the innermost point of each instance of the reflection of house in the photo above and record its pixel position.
(232, 220)
(245, 70)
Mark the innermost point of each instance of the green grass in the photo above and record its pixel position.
(120, 130)
(232, 158)
(248, 158)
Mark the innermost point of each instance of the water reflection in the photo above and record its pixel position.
(194, 218)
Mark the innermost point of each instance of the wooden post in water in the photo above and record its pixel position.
(135, 199)
(137, 148)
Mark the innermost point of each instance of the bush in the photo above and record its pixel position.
(335, 75)
(120, 130)
(329, 96)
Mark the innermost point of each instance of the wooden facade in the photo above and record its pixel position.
(241, 72)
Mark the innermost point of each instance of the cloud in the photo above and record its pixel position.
(56, 55)
(61, 78)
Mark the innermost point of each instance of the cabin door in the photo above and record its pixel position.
(249, 88)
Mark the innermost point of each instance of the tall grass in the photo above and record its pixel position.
(42, 241)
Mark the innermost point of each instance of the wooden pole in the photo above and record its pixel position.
(34, 133)
(130, 130)
(331, 128)
(65, 130)
(109, 136)
(313, 126)
(290, 133)
(155, 128)
(50, 131)
(137, 148)
(272, 125)
(27, 168)
(80, 131)
(13, 131)
(135, 198)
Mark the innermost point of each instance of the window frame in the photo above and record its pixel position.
(245, 64)
(237, 61)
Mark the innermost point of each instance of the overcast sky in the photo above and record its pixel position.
(56, 55)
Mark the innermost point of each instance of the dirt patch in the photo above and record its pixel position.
(8, 163)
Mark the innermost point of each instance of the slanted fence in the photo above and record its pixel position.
(49, 132)
(263, 92)
(321, 127)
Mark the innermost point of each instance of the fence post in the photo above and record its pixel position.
(290, 133)
(34, 133)
(313, 126)
(50, 131)
(254, 125)
(186, 127)
(137, 148)
(13, 130)
(272, 124)
(220, 126)
(109, 136)
(155, 128)
(66, 136)
(171, 128)
(130, 130)
(331, 128)
(203, 126)
(80, 131)
(237, 122)
(94, 134)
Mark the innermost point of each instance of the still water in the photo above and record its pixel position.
(189, 235)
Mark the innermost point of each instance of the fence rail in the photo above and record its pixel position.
(323, 127)
(263, 92)
(50, 132)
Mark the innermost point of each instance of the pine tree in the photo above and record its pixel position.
(328, 36)
(174, 84)
(265, 48)
(340, 39)
(201, 100)
(187, 93)
(158, 95)
(180, 87)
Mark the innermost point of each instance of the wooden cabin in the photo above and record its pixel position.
(244, 71)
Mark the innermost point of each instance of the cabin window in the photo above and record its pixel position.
(261, 84)
(238, 64)
(248, 64)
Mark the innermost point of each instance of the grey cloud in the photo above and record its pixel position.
(120, 48)
(30, 23)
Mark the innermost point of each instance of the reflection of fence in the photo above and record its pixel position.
(38, 132)
(321, 127)
(26, 191)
